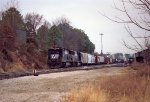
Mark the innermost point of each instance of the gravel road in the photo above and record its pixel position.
(49, 87)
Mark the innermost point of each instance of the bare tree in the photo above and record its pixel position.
(47, 24)
(34, 19)
(61, 20)
(138, 16)
(42, 35)
(12, 3)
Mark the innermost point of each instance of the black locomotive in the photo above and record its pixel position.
(61, 57)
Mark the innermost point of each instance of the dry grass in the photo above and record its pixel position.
(132, 87)
(86, 94)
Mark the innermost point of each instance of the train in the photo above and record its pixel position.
(62, 57)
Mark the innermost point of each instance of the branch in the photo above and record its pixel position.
(133, 21)
(121, 20)
(145, 4)
(130, 33)
(129, 47)
(143, 37)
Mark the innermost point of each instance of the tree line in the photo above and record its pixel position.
(40, 32)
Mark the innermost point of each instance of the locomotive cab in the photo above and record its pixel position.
(54, 57)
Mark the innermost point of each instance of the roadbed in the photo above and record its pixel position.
(8, 75)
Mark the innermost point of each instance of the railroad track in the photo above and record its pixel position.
(9, 75)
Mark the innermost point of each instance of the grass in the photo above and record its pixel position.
(86, 94)
(130, 87)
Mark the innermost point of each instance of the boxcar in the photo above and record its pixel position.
(99, 59)
(84, 58)
(91, 59)
(76, 61)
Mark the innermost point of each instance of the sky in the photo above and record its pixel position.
(83, 14)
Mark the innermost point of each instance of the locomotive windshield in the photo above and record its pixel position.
(54, 56)
(54, 53)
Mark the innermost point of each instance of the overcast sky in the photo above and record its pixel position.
(83, 14)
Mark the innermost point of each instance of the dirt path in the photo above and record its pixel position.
(49, 87)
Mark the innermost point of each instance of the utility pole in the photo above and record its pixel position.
(101, 44)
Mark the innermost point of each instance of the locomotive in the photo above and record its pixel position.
(61, 57)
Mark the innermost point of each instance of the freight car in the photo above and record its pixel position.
(99, 59)
(84, 58)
